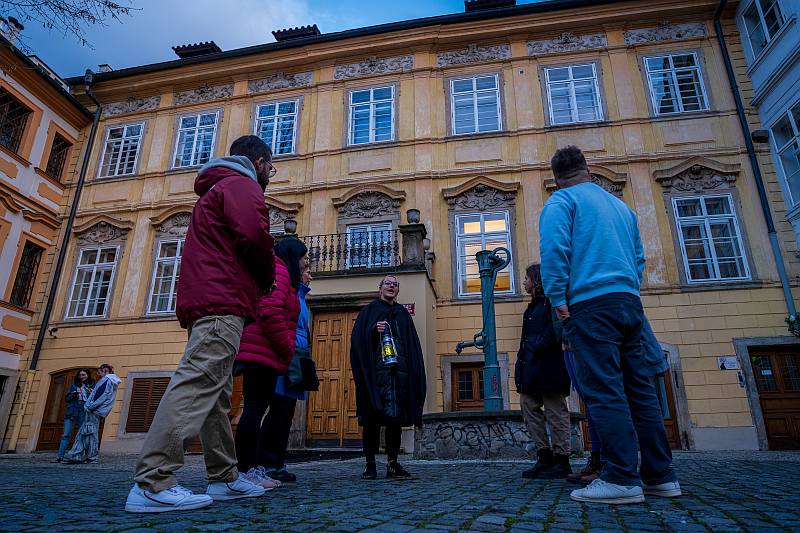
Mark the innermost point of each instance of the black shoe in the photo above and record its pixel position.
(57, 460)
(370, 472)
(560, 468)
(544, 461)
(395, 471)
(282, 475)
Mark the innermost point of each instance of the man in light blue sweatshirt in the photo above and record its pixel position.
(592, 264)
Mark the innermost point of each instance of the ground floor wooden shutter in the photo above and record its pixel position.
(146, 394)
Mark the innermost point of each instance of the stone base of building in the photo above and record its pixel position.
(480, 435)
(730, 438)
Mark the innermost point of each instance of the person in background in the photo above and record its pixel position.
(278, 421)
(267, 347)
(76, 396)
(227, 261)
(99, 403)
(386, 395)
(592, 266)
(543, 384)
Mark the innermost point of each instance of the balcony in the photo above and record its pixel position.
(356, 252)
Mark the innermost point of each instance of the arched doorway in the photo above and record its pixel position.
(53, 419)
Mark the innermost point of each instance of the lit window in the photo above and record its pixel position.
(573, 94)
(786, 136)
(121, 150)
(476, 105)
(196, 136)
(372, 115)
(164, 292)
(710, 239)
(762, 20)
(276, 125)
(476, 232)
(13, 120)
(91, 287)
(676, 84)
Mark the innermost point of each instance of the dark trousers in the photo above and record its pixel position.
(277, 425)
(371, 440)
(605, 334)
(258, 390)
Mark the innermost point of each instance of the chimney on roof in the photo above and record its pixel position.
(480, 5)
(11, 28)
(185, 51)
(295, 33)
(104, 67)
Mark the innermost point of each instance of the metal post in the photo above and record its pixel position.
(489, 264)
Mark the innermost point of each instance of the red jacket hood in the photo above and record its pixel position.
(220, 168)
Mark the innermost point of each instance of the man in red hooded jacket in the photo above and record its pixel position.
(227, 262)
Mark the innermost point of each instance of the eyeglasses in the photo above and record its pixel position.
(272, 169)
(391, 283)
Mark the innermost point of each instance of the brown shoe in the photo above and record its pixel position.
(590, 472)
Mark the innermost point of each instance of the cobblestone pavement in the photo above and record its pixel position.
(723, 491)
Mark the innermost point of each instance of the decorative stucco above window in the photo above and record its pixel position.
(280, 212)
(368, 202)
(697, 174)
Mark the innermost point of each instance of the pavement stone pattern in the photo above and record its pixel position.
(723, 491)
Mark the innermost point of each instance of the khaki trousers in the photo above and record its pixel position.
(197, 401)
(555, 411)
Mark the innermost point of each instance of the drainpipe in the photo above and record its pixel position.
(751, 152)
(62, 252)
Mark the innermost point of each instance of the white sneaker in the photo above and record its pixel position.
(263, 478)
(600, 491)
(175, 499)
(241, 488)
(670, 489)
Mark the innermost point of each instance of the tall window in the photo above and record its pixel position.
(476, 232)
(26, 274)
(121, 151)
(58, 156)
(476, 105)
(91, 287)
(762, 20)
(676, 84)
(573, 94)
(786, 135)
(276, 125)
(710, 239)
(196, 136)
(13, 119)
(165, 277)
(370, 245)
(372, 115)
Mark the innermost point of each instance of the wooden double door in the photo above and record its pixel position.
(331, 420)
(53, 420)
(777, 375)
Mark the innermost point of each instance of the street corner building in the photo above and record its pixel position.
(406, 148)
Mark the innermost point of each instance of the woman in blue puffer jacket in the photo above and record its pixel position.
(77, 394)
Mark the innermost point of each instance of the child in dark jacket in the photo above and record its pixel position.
(543, 384)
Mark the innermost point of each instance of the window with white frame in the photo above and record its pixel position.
(710, 239)
(370, 245)
(371, 115)
(475, 105)
(676, 83)
(573, 94)
(786, 136)
(196, 136)
(121, 150)
(276, 125)
(91, 287)
(476, 232)
(164, 290)
(762, 21)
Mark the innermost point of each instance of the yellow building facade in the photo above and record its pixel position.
(454, 119)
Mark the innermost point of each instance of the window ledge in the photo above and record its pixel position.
(15, 155)
(479, 135)
(684, 115)
(370, 146)
(577, 125)
(112, 179)
(44, 175)
(722, 285)
(8, 305)
(790, 22)
(182, 170)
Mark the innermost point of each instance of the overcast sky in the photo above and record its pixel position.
(149, 33)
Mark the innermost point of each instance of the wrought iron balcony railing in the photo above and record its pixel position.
(356, 251)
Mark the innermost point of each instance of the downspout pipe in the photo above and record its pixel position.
(751, 152)
(62, 252)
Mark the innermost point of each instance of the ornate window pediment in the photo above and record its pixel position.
(173, 222)
(611, 181)
(369, 202)
(481, 193)
(698, 174)
(102, 229)
(280, 212)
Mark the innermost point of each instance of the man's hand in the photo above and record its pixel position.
(381, 326)
(562, 312)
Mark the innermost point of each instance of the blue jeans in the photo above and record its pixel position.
(594, 438)
(70, 424)
(610, 352)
